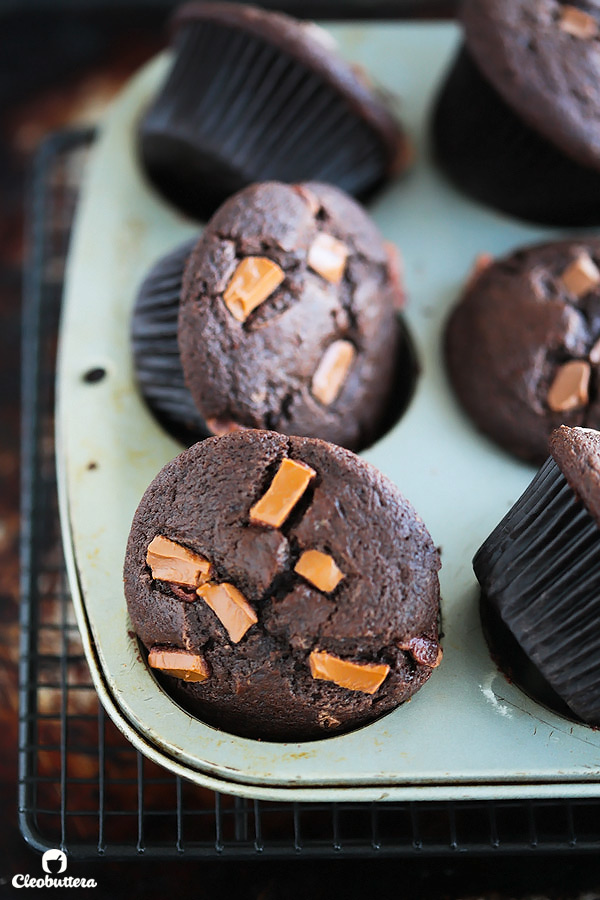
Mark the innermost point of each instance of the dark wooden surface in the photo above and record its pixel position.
(57, 70)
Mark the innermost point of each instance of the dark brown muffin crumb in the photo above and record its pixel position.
(304, 587)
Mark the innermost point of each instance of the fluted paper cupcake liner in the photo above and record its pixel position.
(539, 571)
(236, 109)
(488, 151)
(156, 353)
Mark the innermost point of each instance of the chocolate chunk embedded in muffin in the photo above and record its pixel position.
(523, 345)
(255, 95)
(539, 573)
(517, 123)
(293, 577)
(289, 317)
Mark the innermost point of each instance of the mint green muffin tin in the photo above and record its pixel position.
(468, 733)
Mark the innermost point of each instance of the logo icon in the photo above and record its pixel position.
(54, 862)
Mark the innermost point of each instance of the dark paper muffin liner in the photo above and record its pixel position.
(155, 350)
(539, 573)
(236, 109)
(489, 153)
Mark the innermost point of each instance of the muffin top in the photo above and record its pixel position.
(259, 557)
(288, 317)
(543, 58)
(576, 451)
(317, 50)
(523, 345)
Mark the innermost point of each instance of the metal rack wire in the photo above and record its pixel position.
(82, 786)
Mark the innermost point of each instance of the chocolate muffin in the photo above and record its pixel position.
(255, 95)
(523, 345)
(517, 123)
(156, 351)
(283, 587)
(289, 318)
(539, 573)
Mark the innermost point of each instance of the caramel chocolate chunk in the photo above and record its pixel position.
(179, 663)
(482, 262)
(320, 569)
(594, 356)
(581, 275)
(395, 269)
(219, 427)
(255, 279)
(332, 371)
(230, 607)
(171, 562)
(424, 651)
(363, 76)
(570, 388)
(309, 198)
(365, 677)
(578, 23)
(290, 481)
(327, 256)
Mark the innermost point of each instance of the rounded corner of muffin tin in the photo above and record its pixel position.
(446, 742)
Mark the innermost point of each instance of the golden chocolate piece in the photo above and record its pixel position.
(424, 650)
(581, 276)
(290, 481)
(578, 23)
(332, 371)
(365, 677)
(179, 663)
(594, 356)
(320, 569)
(231, 608)
(255, 279)
(482, 262)
(570, 388)
(309, 198)
(219, 427)
(395, 267)
(170, 561)
(327, 256)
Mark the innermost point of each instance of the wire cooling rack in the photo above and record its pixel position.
(82, 786)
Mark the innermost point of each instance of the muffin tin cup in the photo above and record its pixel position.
(539, 572)
(156, 351)
(489, 153)
(237, 109)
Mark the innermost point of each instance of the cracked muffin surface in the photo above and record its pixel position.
(523, 345)
(283, 587)
(289, 316)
